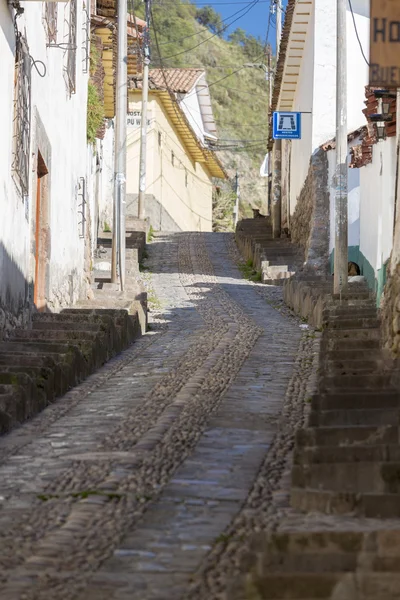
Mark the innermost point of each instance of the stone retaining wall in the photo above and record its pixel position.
(308, 298)
(309, 225)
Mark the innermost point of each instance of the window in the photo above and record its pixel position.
(50, 17)
(159, 139)
(22, 115)
(172, 158)
(71, 58)
(186, 178)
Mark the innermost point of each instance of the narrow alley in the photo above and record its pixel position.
(152, 473)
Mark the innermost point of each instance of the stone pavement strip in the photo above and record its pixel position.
(144, 481)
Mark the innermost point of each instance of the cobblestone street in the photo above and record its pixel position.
(144, 482)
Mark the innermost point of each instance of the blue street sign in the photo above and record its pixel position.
(287, 126)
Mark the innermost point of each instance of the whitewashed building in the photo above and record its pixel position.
(45, 162)
(306, 82)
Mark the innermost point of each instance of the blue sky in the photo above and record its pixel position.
(254, 22)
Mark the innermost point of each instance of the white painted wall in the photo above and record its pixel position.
(370, 204)
(302, 149)
(64, 121)
(191, 107)
(316, 88)
(106, 193)
(357, 68)
(377, 202)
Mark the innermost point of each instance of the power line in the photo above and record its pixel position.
(217, 33)
(252, 4)
(358, 37)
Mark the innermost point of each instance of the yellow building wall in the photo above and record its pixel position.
(181, 186)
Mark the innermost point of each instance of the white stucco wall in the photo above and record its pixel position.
(63, 118)
(106, 192)
(377, 202)
(191, 107)
(302, 149)
(316, 87)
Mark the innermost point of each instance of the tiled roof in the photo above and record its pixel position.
(361, 154)
(180, 81)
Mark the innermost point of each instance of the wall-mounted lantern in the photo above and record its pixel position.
(383, 115)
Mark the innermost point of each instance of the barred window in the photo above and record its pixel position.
(50, 17)
(71, 59)
(22, 115)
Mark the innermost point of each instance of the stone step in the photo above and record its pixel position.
(65, 353)
(352, 295)
(347, 312)
(338, 436)
(344, 323)
(42, 377)
(348, 453)
(357, 400)
(66, 326)
(369, 505)
(354, 367)
(294, 586)
(368, 354)
(335, 343)
(351, 418)
(128, 325)
(33, 398)
(63, 373)
(356, 334)
(365, 381)
(355, 477)
(13, 407)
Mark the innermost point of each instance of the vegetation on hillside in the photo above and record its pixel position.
(192, 37)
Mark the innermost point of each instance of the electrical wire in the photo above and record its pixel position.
(217, 33)
(247, 10)
(358, 37)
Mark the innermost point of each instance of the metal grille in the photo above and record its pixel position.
(71, 60)
(22, 115)
(50, 17)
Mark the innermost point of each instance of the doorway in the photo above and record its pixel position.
(41, 234)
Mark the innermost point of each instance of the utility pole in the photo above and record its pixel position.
(277, 150)
(340, 281)
(118, 237)
(270, 85)
(237, 189)
(145, 97)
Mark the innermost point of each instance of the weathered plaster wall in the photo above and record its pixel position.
(60, 118)
(310, 222)
(105, 196)
(181, 187)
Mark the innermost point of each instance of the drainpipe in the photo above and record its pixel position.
(276, 204)
(120, 147)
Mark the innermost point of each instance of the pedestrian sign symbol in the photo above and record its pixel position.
(287, 126)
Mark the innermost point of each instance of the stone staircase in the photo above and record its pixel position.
(60, 350)
(276, 259)
(346, 465)
(348, 459)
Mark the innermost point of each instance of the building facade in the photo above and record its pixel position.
(180, 165)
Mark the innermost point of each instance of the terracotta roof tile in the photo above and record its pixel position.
(180, 81)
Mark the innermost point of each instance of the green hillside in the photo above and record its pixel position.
(240, 99)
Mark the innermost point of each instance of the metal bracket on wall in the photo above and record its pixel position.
(85, 40)
(82, 206)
